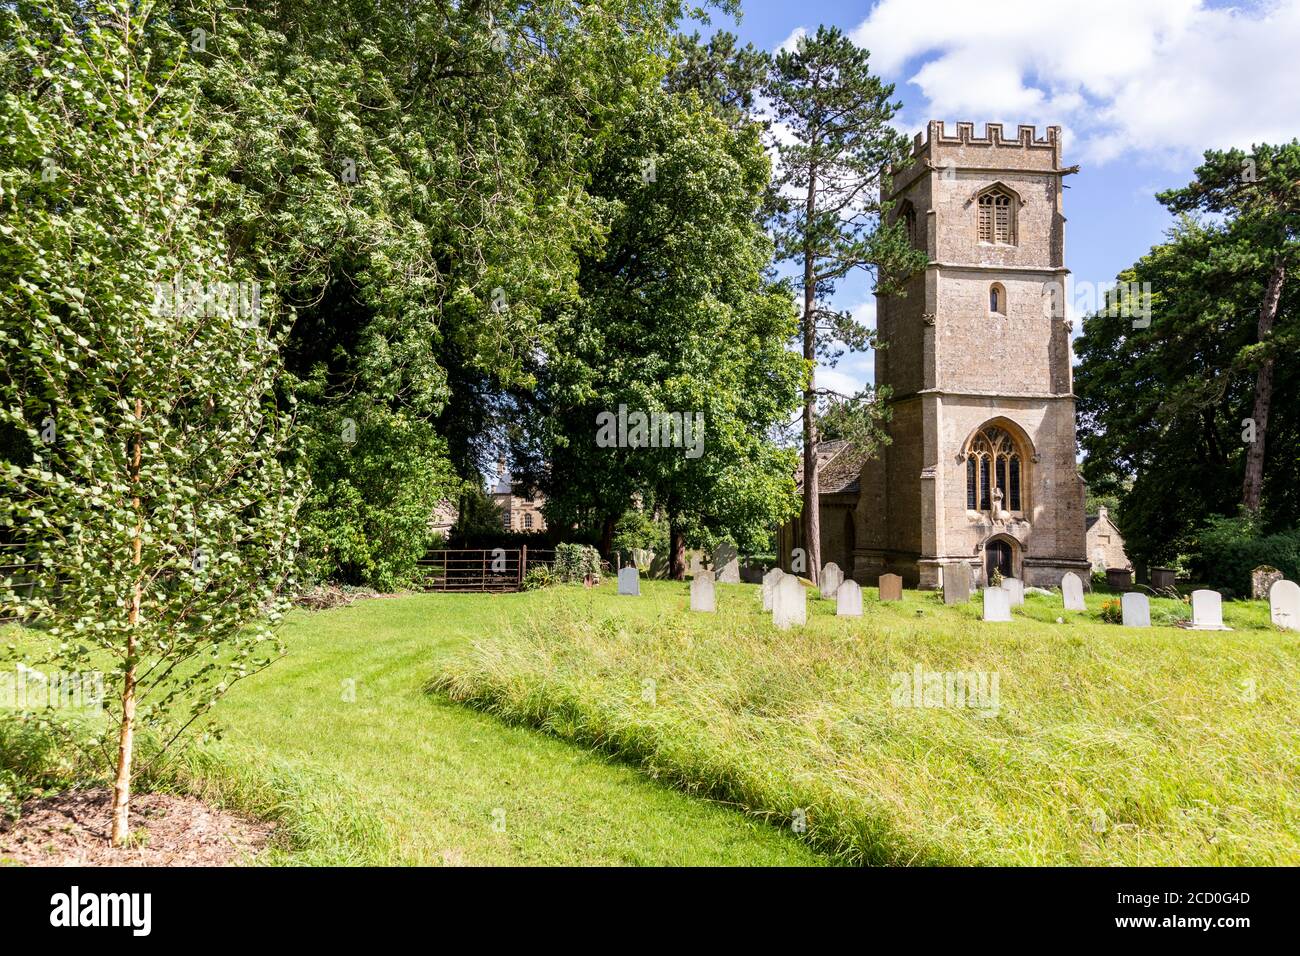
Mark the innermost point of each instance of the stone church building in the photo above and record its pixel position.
(981, 466)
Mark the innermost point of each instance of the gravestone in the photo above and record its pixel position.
(1016, 589)
(997, 604)
(848, 599)
(751, 572)
(695, 561)
(832, 578)
(789, 603)
(956, 583)
(1207, 611)
(1262, 580)
(1163, 579)
(629, 581)
(1072, 592)
(891, 587)
(726, 566)
(1120, 579)
(1284, 604)
(1136, 608)
(702, 592)
(658, 567)
(770, 581)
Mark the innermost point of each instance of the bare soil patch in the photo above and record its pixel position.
(72, 829)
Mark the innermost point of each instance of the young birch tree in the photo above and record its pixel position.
(151, 500)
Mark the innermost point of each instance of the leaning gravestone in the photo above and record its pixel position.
(832, 578)
(891, 587)
(770, 581)
(1207, 611)
(702, 593)
(629, 581)
(1262, 580)
(997, 604)
(1072, 592)
(726, 566)
(1016, 589)
(1284, 604)
(1136, 608)
(789, 603)
(848, 599)
(956, 583)
(658, 567)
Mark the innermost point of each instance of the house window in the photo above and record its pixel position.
(528, 521)
(993, 470)
(995, 217)
(505, 519)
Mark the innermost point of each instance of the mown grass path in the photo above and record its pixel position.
(451, 785)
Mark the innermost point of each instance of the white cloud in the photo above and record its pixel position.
(788, 44)
(1157, 79)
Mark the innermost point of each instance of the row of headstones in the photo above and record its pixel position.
(784, 596)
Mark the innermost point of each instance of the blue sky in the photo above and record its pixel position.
(1140, 88)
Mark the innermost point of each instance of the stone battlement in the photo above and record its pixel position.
(1026, 137)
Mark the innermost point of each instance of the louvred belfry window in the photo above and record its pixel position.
(995, 223)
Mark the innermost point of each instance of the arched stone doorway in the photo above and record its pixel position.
(999, 555)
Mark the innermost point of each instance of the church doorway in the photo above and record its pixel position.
(998, 557)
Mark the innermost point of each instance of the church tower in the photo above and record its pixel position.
(981, 467)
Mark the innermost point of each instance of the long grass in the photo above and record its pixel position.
(1109, 745)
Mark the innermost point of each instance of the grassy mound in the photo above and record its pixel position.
(1105, 745)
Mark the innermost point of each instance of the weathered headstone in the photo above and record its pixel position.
(789, 603)
(1262, 580)
(1136, 609)
(1120, 579)
(891, 587)
(1284, 604)
(702, 593)
(848, 599)
(726, 566)
(658, 567)
(770, 581)
(629, 581)
(1072, 592)
(751, 572)
(695, 561)
(1207, 611)
(1163, 579)
(997, 604)
(832, 578)
(956, 583)
(1015, 588)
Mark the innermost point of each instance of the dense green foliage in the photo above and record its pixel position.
(1228, 549)
(1168, 409)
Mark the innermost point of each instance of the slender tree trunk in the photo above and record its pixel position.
(607, 536)
(676, 550)
(811, 485)
(1252, 487)
(126, 736)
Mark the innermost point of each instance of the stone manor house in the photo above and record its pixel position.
(981, 467)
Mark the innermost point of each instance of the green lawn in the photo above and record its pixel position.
(1109, 745)
(398, 776)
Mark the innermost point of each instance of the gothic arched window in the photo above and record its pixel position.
(907, 216)
(996, 216)
(993, 463)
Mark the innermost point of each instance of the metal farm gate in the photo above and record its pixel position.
(480, 569)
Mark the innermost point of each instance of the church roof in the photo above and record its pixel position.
(839, 468)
